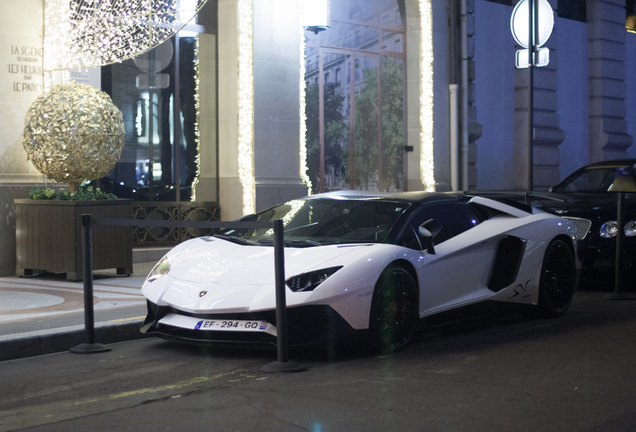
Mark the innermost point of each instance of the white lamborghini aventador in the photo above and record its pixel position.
(362, 262)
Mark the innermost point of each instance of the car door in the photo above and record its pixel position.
(457, 272)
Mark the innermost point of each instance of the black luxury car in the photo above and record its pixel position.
(587, 197)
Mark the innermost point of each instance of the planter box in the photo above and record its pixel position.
(49, 236)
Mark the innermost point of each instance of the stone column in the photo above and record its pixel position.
(474, 127)
(413, 128)
(276, 103)
(547, 135)
(608, 138)
(230, 188)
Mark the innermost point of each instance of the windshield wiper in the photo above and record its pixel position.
(302, 243)
(237, 240)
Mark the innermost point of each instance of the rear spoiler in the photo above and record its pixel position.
(515, 201)
(500, 206)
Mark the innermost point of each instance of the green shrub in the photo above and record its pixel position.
(85, 193)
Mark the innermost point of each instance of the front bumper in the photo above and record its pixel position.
(601, 254)
(306, 325)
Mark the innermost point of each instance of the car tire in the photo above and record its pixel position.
(558, 279)
(394, 310)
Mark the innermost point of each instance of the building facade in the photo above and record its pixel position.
(244, 108)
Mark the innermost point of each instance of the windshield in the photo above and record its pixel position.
(324, 221)
(590, 180)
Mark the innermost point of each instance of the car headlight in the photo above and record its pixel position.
(309, 281)
(160, 269)
(609, 229)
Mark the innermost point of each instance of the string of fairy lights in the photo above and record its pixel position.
(303, 114)
(427, 165)
(197, 129)
(246, 105)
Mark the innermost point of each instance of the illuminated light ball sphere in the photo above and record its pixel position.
(73, 133)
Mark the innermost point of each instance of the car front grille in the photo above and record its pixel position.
(582, 226)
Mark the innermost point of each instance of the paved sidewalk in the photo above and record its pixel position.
(45, 314)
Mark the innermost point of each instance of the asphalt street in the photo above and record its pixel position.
(499, 372)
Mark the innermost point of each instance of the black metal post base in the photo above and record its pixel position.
(282, 367)
(89, 348)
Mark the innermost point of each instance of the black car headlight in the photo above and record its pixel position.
(610, 229)
(309, 281)
(160, 269)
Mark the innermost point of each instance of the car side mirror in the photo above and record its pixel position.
(427, 231)
(426, 239)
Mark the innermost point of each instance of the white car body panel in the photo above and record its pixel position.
(216, 276)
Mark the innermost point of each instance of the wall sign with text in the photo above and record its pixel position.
(22, 58)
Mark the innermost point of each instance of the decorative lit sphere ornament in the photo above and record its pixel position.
(88, 33)
(73, 133)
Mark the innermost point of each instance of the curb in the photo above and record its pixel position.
(50, 341)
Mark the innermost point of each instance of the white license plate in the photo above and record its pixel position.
(193, 323)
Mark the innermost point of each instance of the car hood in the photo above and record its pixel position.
(213, 260)
(585, 204)
(209, 274)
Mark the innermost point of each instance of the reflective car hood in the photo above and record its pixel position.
(213, 260)
(214, 274)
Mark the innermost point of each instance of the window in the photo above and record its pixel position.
(166, 129)
(454, 218)
(592, 180)
(360, 142)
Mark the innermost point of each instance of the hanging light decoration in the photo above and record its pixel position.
(82, 34)
(302, 114)
(427, 165)
(246, 104)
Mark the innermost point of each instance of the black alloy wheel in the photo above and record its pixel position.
(394, 310)
(558, 279)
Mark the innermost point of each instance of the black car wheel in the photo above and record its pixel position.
(558, 279)
(394, 310)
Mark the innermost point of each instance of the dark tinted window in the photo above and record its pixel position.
(455, 218)
(590, 180)
(327, 221)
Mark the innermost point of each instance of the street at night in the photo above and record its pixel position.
(495, 372)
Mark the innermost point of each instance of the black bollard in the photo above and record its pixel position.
(89, 316)
(282, 364)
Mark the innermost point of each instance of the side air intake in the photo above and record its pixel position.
(507, 262)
